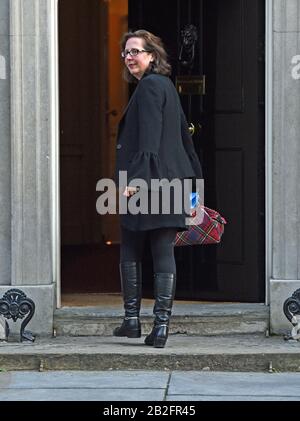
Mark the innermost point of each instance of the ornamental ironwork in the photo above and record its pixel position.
(189, 35)
(16, 305)
(291, 309)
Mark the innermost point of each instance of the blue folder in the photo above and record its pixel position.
(194, 199)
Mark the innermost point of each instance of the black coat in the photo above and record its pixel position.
(154, 143)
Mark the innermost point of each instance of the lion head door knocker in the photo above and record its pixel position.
(16, 305)
(189, 37)
(291, 309)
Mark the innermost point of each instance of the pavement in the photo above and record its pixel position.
(149, 386)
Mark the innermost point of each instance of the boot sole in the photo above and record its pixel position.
(136, 334)
(159, 343)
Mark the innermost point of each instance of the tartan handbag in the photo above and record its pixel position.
(206, 227)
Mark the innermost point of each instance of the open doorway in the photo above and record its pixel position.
(230, 141)
(92, 97)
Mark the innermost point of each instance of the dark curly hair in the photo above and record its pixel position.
(153, 44)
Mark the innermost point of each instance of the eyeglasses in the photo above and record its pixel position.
(133, 52)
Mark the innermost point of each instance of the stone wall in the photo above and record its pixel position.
(31, 142)
(5, 184)
(25, 156)
(286, 158)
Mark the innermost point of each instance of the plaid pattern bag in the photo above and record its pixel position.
(206, 227)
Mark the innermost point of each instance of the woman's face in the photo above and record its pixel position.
(137, 65)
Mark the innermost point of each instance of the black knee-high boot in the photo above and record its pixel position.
(131, 282)
(164, 291)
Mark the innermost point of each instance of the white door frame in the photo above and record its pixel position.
(55, 170)
(268, 144)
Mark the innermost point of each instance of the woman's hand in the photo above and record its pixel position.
(129, 191)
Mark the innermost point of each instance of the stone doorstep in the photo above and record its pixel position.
(191, 319)
(216, 353)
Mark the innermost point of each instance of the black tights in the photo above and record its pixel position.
(162, 248)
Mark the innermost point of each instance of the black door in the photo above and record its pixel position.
(229, 136)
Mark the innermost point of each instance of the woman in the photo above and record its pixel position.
(153, 143)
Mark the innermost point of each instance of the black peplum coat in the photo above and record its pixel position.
(153, 143)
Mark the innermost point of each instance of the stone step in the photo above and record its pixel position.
(253, 352)
(188, 318)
